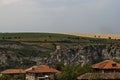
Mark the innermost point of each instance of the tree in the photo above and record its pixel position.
(50, 36)
(12, 77)
(109, 37)
(71, 72)
(95, 36)
(98, 36)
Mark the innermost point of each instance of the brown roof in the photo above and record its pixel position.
(41, 69)
(99, 76)
(107, 64)
(13, 71)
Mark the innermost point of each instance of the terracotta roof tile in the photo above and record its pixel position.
(41, 69)
(100, 76)
(107, 64)
(13, 71)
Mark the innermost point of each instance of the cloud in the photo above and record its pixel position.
(8, 2)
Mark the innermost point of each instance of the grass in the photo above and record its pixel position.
(105, 36)
(34, 35)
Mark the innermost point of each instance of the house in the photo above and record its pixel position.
(107, 69)
(107, 66)
(41, 72)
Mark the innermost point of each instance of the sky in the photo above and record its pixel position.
(75, 16)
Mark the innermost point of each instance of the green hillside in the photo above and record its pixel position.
(50, 37)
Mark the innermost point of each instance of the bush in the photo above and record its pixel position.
(12, 77)
(71, 72)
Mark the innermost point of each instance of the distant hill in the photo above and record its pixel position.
(106, 36)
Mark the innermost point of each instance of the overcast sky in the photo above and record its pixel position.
(80, 16)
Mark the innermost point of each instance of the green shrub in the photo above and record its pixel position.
(71, 72)
(12, 77)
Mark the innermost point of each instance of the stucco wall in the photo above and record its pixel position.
(30, 76)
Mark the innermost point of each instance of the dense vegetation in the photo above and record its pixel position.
(71, 72)
(12, 77)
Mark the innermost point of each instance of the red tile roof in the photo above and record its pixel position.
(107, 64)
(13, 71)
(100, 76)
(41, 69)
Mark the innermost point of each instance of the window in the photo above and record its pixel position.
(114, 65)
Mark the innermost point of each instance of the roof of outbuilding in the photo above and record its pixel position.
(107, 64)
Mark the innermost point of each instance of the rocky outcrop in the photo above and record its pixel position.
(82, 55)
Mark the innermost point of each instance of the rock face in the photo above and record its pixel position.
(23, 55)
(17, 55)
(82, 55)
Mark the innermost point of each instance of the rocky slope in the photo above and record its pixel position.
(19, 55)
(82, 55)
